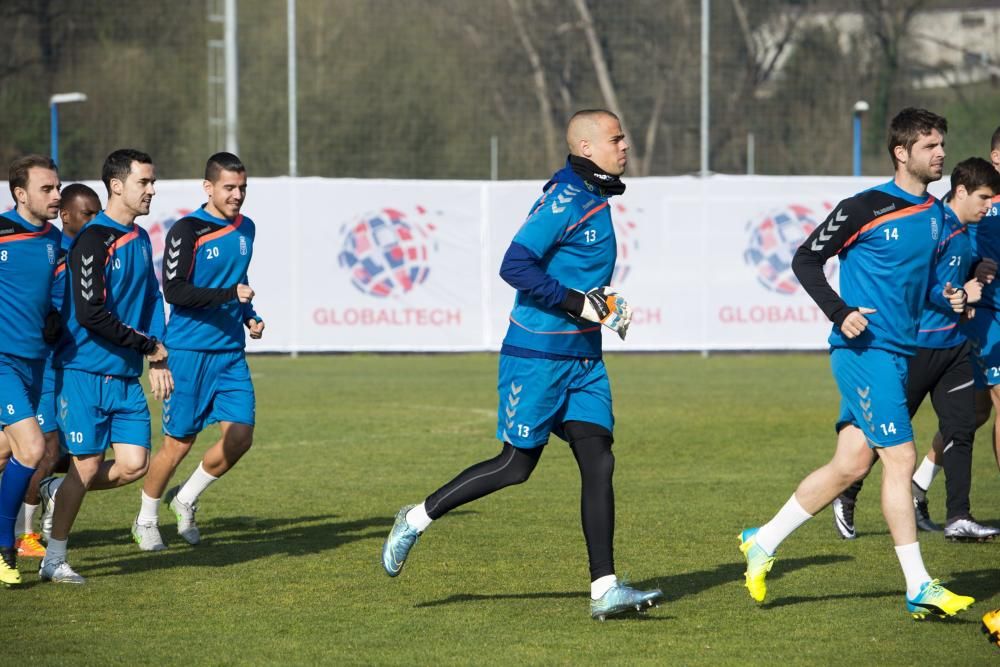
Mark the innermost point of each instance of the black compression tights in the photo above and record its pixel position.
(591, 446)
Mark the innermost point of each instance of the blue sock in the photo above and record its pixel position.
(13, 485)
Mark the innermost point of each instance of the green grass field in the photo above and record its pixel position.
(289, 570)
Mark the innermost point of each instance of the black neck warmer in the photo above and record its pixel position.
(606, 184)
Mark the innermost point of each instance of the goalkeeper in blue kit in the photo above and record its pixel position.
(205, 262)
(552, 378)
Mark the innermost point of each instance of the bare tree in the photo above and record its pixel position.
(541, 85)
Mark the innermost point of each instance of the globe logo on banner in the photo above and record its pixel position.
(387, 253)
(774, 240)
(628, 242)
(157, 230)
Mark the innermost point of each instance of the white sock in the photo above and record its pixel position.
(600, 586)
(925, 474)
(784, 523)
(195, 485)
(913, 568)
(23, 522)
(417, 517)
(55, 551)
(29, 517)
(149, 511)
(54, 486)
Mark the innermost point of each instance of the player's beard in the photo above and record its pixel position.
(925, 173)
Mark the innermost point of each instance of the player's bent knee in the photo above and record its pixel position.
(519, 467)
(132, 471)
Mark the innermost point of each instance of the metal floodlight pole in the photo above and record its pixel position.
(860, 107)
(232, 89)
(293, 104)
(705, 15)
(54, 102)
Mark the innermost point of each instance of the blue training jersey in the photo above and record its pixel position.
(113, 310)
(985, 239)
(886, 240)
(570, 238)
(939, 323)
(28, 256)
(204, 259)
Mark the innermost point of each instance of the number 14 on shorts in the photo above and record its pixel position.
(888, 429)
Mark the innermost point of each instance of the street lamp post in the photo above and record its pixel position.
(54, 102)
(860, 107)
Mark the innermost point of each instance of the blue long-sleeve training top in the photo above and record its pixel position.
(113, 310)
(567, 242)
(204, 259)
(886, 239)
(28, 255)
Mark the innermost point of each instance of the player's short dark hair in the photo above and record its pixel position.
(995, 140)
(19, 168)
(74, 190)
(222, 162)
(909, 125)
(975, 173)
(119, 165)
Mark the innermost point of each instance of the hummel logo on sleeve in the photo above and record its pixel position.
(85, 277)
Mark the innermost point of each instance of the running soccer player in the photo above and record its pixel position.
(942, 366)
(984, 329)
(77, 206)
(205, 282)
(552, 378)
(114, 317)
(886, 239)
(28, 245)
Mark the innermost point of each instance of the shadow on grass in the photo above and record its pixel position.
(980, 584)
(551, 595)
(799, 599)
(676, 586)
(231, 540)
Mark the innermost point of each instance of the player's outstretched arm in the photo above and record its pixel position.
(178, 261)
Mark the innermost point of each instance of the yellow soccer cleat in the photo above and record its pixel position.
(9, 575)
(28, 546)
(991, 626)
(758, 564)
(934, 598)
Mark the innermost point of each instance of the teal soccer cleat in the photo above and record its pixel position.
(397, 545)
(620, 599)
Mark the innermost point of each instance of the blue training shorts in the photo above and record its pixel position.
(209, 387)
(872, 387)
(983, 331)
(46, 414)
(537, 396)
(20, 387)
(96, 411)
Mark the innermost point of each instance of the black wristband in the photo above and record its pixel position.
(573, 302)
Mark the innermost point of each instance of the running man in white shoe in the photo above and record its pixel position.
(205, 266)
